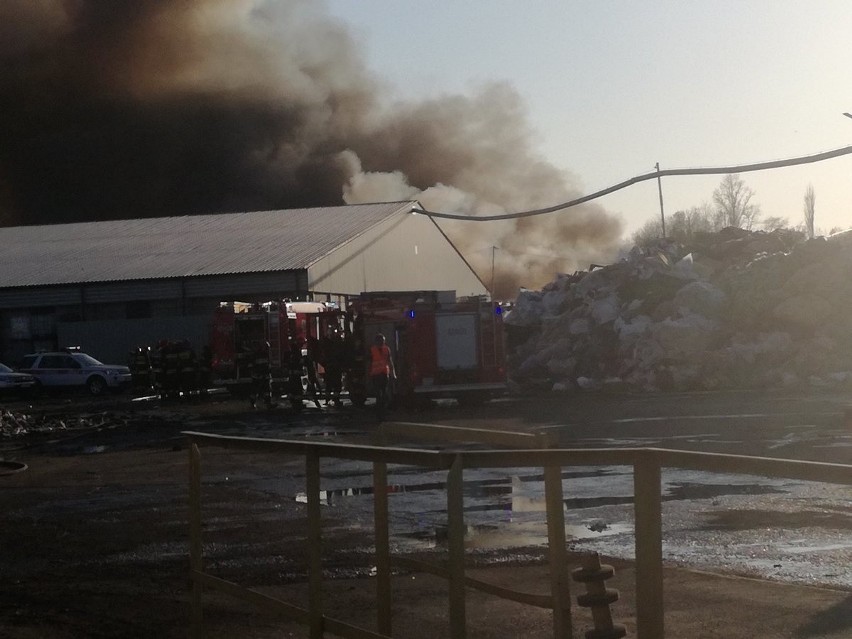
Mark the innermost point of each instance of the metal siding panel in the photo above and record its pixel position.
(253, 283)
(341, 272)
(40, 296)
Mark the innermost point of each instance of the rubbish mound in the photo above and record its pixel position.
(734, 309)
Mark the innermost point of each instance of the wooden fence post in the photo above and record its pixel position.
(649, 545)
(455, 543)
(196, 562)
(559, 581)
(383, 563)
(312, 489)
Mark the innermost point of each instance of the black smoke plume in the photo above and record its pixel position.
(116, 109)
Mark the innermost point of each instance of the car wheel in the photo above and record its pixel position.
(96, 385)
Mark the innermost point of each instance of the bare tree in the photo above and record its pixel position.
(810, 201)
(681, 227)
(649, 234)
(698, 219)
(775, 222)
(733, 203)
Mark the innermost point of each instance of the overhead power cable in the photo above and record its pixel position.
(743, 168)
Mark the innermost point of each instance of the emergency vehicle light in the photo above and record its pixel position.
(410, 314)
(498, 310)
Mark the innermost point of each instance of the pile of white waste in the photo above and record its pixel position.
(735, 309)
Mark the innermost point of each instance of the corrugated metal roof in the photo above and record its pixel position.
(183, 246)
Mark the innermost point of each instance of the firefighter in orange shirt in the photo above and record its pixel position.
(381, 370)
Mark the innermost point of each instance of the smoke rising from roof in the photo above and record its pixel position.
(142, 108)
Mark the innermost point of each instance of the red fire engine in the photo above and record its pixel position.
(293, 331)
(443, 347)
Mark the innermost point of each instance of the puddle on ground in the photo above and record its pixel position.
(771, 528)
(518, 535)
(525, 492)
(768, 519)
(686, 490)
(93, 450)
(519, 504)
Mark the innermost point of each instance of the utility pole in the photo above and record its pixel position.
(493, 251)
(660, 189)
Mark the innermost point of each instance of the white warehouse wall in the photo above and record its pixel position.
(404, 252)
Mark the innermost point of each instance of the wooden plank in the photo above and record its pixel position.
(196, 560)
(769, 467)
(409, 456)
(549, 457)
(455, 543)
(383, 560)
(647, 491)
(439, 433)
(762, 466)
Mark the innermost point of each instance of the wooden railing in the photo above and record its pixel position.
(646, 463)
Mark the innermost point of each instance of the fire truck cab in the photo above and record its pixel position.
(239, 330)
(443, 346)
(292, 330)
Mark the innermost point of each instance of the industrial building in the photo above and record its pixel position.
(112, 286)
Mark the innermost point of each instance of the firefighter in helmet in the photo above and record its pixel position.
(261, 376)
(332, 353)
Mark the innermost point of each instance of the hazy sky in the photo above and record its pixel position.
(612, 87)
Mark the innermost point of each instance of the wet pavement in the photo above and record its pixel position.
(786, 530)
(790, 531)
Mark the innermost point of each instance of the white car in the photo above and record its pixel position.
(12, 383)
(70, 368)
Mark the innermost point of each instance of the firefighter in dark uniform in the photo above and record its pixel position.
(142, 368)
(187, 367)
(310, 351)
(261, 376)
(170, 384)
(331, 349)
